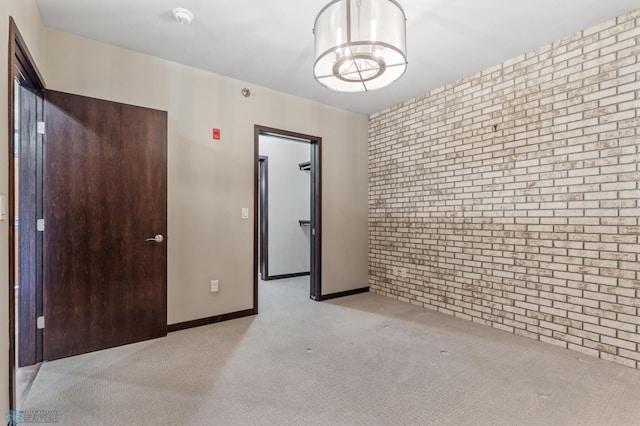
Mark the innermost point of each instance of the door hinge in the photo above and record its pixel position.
(40, 225)
(16, 144)
(16, 222)
(313, 232)
(40, 323)
(40, 127)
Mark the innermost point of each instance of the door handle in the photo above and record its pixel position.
(158, 238)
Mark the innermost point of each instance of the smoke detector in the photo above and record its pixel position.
(183, 15)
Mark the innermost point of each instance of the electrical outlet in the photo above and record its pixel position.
(214, 286)
(395, 271)
(403, 272)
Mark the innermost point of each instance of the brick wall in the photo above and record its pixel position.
(511, 197)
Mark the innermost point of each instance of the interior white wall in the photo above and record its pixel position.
(289, 195)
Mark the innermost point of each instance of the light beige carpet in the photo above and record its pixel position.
(360, 360)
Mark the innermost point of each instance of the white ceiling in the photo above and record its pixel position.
(270, 42)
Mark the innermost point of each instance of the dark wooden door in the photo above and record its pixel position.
(315, 289)
(105, 194)
(263, 212)
(28, 184)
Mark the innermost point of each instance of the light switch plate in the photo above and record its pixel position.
(245, 213)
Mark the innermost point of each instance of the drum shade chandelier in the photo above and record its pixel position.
(360, 45)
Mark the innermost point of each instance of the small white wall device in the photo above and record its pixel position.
(183, 15)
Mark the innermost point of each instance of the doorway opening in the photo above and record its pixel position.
(287, 202)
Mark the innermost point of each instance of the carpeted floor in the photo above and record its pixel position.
(359, 360)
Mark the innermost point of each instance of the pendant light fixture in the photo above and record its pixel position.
(360, 45)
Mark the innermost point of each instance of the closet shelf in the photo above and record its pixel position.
(304, 222)
(305, 166)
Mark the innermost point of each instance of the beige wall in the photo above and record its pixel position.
(28, 20)
(4, 304)
(210, 181)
